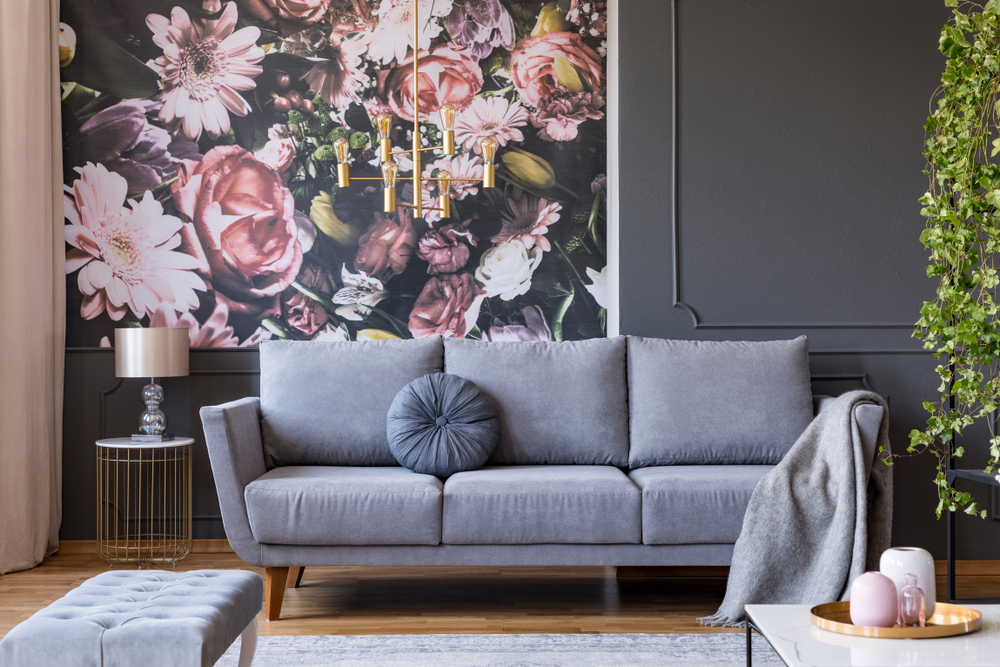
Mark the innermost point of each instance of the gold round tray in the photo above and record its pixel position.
(948, 620)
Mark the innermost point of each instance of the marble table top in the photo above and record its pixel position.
(799, 643)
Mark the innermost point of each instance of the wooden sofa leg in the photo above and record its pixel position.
(274, 591)
(295, 576)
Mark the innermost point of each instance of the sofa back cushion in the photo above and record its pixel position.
(709, 402)
(326, 403)
(559, 403)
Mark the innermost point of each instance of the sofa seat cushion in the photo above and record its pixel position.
(541, 505)
(695, 504)
(326, 505)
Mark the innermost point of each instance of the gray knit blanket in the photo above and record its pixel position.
(814, 522)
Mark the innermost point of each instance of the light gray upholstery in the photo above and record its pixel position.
(496, 555)
(712, 402)
(695, 504)
(148, 617)
(340, 505)
(541, 505)
(553, 493)
(441, 424)
(232, 434)
(559, 403)
(325, 403)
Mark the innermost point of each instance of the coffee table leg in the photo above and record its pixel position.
(749, 643)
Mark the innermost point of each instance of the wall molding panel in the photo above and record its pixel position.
(696, 320)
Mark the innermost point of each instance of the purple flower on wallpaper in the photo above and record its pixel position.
(482, 25)
(445, 249)
(125, 142)
(534, 328)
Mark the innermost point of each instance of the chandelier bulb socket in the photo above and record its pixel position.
(344, 175)
(444, 196)
(449, 142)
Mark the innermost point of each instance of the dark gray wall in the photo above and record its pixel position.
(799, 128)
(799, 132)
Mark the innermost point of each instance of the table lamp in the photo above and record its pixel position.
(151, 353)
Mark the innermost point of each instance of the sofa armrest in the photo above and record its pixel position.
(869, 419)
(235, 448)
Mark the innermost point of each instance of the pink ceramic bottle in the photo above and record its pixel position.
(874, 601)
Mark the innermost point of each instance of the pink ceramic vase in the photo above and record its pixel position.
(873, 601)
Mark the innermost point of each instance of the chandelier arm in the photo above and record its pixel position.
(424, 208)
(431, 148)
(366, 178)
(453, 179)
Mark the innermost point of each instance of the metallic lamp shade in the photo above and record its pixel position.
(151, 353)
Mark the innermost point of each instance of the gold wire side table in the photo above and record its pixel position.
(143, 501)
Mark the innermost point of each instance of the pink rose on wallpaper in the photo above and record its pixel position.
(385, 249)
(126, 256)
(560, 114)
(447, 74)
(302, 312)
(448, 306)
(245, 219)
(446, 250)
(277, 153)
(537, 73)
(303, 11)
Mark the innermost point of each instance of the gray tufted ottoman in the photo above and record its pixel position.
(147, 618)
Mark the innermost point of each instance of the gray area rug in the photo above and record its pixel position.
(616, 650)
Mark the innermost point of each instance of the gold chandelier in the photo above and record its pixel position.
(390, 170)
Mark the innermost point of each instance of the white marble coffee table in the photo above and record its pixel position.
(798, 642)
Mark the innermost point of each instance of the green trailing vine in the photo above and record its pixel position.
(962, 210)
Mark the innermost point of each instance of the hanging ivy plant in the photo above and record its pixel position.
(962, 210)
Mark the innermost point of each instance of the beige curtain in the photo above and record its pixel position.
(32, 284)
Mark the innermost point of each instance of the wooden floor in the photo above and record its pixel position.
(347, 600)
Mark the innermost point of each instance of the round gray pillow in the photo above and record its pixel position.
(441, 424)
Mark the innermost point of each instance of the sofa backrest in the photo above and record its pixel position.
(326, 403)
(559, 403)
(706, 402)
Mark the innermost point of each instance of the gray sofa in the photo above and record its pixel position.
(625, 451)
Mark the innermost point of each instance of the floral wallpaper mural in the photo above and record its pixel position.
(201, 181)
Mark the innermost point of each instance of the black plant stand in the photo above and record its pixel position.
(974, 476)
